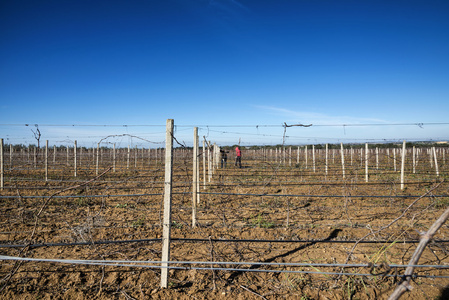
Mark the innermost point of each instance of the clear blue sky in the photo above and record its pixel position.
(225, 62)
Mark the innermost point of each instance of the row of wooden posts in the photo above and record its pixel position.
(279, 155)
(213, 159)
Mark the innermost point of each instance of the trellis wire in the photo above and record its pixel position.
(169, 265)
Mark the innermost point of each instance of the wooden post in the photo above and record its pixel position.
(11, 150)
(290, 156)
(352, 156)
(46, 160)
(135, 158)
(80, 156)
(2, 166)
(305, 152)
(436, 162)
(209, 166)
(402, 165)
(127, 159)
(67, 155)
(204, 164)
(430, 152)
(444, 156)
(98, 157)
(166, 227)
(342, 160)
(414, 159)
(327, 153)
(394, 158)
(313, 157)
(113, 157)
(283, 155)
(195, 178)
(74, 157)
(54, 155)
(377, 158)
(366, 162)
(297, 156)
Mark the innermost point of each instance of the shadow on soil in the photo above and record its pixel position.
(331, 236)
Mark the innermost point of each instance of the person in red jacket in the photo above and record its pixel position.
(238, 157)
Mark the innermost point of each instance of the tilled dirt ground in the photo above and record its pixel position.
(283, 215)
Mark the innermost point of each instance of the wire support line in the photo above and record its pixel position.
(230, 126)
(227, 194)
(158, 265)
(252, 263)
(210, 240)
(318, 196)
(79, 196)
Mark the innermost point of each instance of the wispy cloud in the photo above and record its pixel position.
(305, 117)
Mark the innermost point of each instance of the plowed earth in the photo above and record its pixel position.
(283, 213)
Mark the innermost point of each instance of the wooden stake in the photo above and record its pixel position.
(166, 227)
(402, 165)
(74, 157)
(290, 156)
(127, 158)
(2, 166)
(342, 160)
(204, 164)
(98, 157)
(377, 158)
(305, 152)
(327, 154)
(46, 160)
(195, 173)
(414, 159)
(394, 158)
(313, 157)
(297, 156)
(436, 162)
(113, 157)
(366, 162)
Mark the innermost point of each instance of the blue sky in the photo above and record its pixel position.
(224, 62)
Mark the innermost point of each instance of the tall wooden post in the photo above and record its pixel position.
(113, 157)
(11, 151)
(366, 162)
(74, 157)
(403, 165)
(394, 158)
(436, 161)
(135, 158)
(127, 159)
(297, 156)
(98, 159)
(377, 158)
(2, 166)
(327, 152)
(204, 164)
(46, 160)
(290, 156)
(313, 157)
(166, 227)
(342, 160)
(195, 176)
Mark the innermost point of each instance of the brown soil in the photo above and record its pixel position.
(325, 215)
